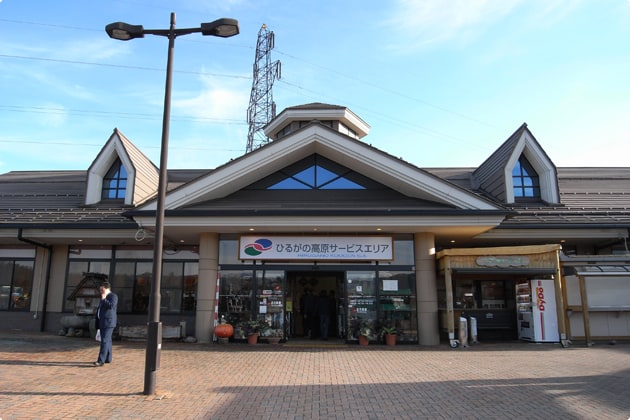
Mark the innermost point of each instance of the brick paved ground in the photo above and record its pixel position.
(44, 376)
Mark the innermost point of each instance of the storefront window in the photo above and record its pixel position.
(16, 283)
(228, 253)
(191, 278)
(403, 252)
(236, 299)
(132, 282)
(361, 289)
(270, 301)
(142, 286)
(123, 281)
(171, 291)
(397, 303)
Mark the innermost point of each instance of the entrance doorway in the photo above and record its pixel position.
(491, 301)
(313, 292)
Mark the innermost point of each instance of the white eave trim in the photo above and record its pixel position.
(372, 163)
(568, 233)
(438, 224)
(343, 115)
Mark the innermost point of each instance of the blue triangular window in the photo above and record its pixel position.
(316, 177)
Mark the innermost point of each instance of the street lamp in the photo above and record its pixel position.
(223, 28)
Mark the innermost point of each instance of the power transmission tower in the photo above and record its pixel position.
(262, 108)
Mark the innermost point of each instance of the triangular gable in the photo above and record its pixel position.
(494, 175)
(315, 138)
(142, 173)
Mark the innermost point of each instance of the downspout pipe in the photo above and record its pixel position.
(42, 324)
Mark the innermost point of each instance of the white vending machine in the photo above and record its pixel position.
(537, 318)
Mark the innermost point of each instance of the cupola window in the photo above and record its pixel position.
(115, 182)
(525, 180)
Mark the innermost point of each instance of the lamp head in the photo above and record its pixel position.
(124, 31)
(224, 28)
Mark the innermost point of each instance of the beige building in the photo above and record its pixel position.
(319, 218)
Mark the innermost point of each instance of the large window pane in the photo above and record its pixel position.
(228, 252)
(172, 284)
(177, 292)
(397, 303)
(403, 252)
(124, 275)
(361, 288)
(191, 278)
(142, 286)
(236, 299)
(22, 285)
(6, 274)
(16, 284)
(270, 300)
(75, 274)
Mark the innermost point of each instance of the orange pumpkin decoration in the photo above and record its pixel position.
(224, 330)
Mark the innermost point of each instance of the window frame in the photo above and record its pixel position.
(528, 181)
(116, 180)
(18, 302)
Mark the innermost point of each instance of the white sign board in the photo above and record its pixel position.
(370, 248)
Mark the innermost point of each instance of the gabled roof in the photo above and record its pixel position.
(590, 196)
(494, 175)
(315, 138)
(142, 174)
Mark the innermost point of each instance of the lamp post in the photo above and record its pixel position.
(223, 28)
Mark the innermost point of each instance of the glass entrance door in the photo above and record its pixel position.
(311, 293)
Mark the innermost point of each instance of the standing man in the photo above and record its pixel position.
(324, 310)
(106, 322)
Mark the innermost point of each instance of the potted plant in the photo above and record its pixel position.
(274, 335)
(253, 329)
(389, 333)
(366, 333)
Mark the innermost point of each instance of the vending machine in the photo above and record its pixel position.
(537, 318)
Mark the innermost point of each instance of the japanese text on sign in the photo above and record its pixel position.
(316, 248)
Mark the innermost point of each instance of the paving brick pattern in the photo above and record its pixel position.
(43, 376)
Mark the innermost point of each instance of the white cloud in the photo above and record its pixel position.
(218, 99)
(54, 115)
(428, 22)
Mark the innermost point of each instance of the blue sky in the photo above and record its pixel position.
(440, 82)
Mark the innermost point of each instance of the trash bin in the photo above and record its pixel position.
(463, 331)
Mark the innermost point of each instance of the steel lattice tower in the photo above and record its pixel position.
(261, 108)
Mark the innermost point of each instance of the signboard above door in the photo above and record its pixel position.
(320, 248)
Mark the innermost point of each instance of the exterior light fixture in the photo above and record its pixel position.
(223, 28)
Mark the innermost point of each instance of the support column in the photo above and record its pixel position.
(206, 286)
(426, 289)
